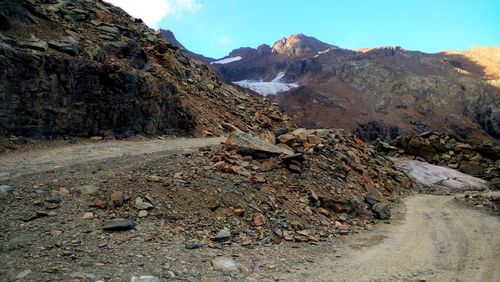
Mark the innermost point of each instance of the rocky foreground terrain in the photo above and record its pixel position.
(376, 92)
(305, 208)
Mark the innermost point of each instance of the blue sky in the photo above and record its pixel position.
(215, 27)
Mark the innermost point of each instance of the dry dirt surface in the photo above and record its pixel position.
(433, 239)
(429, 238)
(19, 163)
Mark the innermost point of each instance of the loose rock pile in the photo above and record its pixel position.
(481, 160)
(317, 184)
(489, 202)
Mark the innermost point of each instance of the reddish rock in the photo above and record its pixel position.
(100, 203)
(259, 220)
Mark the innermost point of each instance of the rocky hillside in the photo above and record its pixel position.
(88, 68)
(376, 92)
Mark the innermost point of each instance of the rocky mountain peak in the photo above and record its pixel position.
(299, 45)
(170, 37)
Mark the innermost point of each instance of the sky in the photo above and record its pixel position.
(215, 27)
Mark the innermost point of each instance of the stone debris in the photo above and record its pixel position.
(224, 264)
(193, 245)
(142, 213)
(5, 189)
(119, 225)
(144, 278)
(223, 235)
(23, 274)
(140, 204)
(356, 183)
(489, 201)
(88, 215)
(88, 189)
(245, 143)
(117, 198)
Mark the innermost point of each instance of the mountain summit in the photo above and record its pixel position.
(300, 45)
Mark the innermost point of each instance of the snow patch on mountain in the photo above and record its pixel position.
(227, 60)
(264, 88)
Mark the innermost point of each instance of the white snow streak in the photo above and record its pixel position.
(440, 178)
(227, 60)
(273, 87)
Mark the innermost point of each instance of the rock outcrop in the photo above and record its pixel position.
(87, 68)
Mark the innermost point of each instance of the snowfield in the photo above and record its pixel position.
(227, 60)
(264, 88)
(438, 178)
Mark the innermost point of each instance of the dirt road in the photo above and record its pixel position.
(433, 240)
(31, 161)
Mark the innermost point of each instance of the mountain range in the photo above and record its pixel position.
(376, 92)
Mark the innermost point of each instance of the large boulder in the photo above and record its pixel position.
(247, 144)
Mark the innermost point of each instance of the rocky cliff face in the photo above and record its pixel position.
(381, 92)
(87, 68)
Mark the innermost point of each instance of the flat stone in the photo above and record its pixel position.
(193, 245)
(144, 278)
(300, 133)
(88, 189)
(4, 189)
(119, 225)
(88, 215)
(247, 144)
(342, 217)
(286, 138)
(223, 235)
(141, 205)
(23, 240)
(259, 220)
(67, 45)
(23, 274)
(35, 44)
(224, 264)
(143, 213)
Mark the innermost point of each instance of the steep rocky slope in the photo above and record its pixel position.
(376, 92)
(88, 68)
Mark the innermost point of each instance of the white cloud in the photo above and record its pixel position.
(153, 11)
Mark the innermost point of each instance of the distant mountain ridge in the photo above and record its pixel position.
(377, 92)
